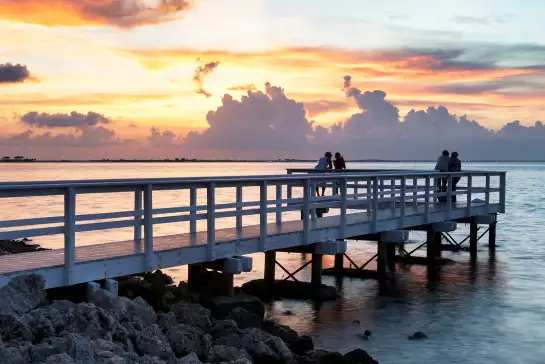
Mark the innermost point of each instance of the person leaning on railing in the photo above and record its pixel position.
(442, 165)
(455, 165)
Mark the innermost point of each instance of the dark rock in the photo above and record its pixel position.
(159, 278)
(60, 359)
(232, 339)
(298, 345)
(304, 345)
(222, 353)
(321, 357)
(189, 359)
(419, 335)
(42, 351)
(289, 289)
(123, 308)
(192, 314)
(22, 294)
(92, 321)
(367, 333)
(19, 246)
(40, 325)
(223, 328)
(185, 340)
(356, 322)
(151, 341)
(358, 356)
(107, 357)
(287, 313)
(81, 349)
(166, 321)
(245, 318)
(263, 347)
(147, 359)
(10, 355)
(14, 328)
(105, 345)
(57, 320)
(223, 305)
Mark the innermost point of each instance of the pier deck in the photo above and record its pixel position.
(389, 201)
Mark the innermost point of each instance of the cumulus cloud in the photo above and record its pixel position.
(323, 106)
(13, 73)
(121, 13)
(266, 120)
(74, 119)
(163, 140)
(200, 73)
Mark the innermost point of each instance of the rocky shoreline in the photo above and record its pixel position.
(178, 328)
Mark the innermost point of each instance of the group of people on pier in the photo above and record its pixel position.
(446, 162)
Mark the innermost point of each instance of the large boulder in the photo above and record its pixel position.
(358, 356)
(148, 359)
(222, 328)
(185, 340)
(49, 347)
(92, 321)
(297, 344)
(189, 359)
(221, 306)
(244, 318)
(220, 353)
(51, 314)
(263, 347)
(321, 357)
(39, 324)
(151, 341)
(192, 314)
(123, 308)
(81, 349)
(62, 358)
(22, 294)
(166, 321)
(105, 345)
(11, 355)
(14, 328)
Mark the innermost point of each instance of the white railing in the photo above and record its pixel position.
(279, 196)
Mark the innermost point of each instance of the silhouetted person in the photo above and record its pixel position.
(455, 165)
(442, 165)
(324, 163)
(339, 165)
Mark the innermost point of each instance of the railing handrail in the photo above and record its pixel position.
(31, 185)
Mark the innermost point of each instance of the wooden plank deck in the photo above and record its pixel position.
(38, 261)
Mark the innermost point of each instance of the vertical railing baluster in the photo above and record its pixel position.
(148, 228)
(427, 198)
(449, 196)
(193, 216)
(263, 216)
(487, 193)
(289, 191)
(69, 234)
(503, 182)
(356, 189)
(469, 193)
(306, 217)
(313, 201)
(238, 218)
(279, 203)
(211, 220)
(375, 205)
(138, 220)
(415, 192)
(343, 187)
(393, 193)
(402, 203)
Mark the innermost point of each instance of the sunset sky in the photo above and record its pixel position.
(134, 63)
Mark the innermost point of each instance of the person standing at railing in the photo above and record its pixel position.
(324, 163)
(339, 165)
(455, 165)
(442, 165)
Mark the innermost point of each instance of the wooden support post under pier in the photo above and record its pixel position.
(382, 258)
(430, 247)
(492, 235)
(473, 237)
(339, 264)
(316, 277)
(438, 241)
(270, 267)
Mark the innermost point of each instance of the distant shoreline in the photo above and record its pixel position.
(256, 161)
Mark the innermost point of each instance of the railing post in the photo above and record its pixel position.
(193, 215)
(342, 227)
(487, 193)
(375, 205)
(427, 197)
(503, 182)
(393, 192)
(278, 203)
(138, 216)
(263, 216)
(211, 220)
(148, 228)
(69, 234)
(356, 189)
(449, 196)
(306, 217)
(239, 211)
(289, 191)
(415, 192)
(402, 203)
(313, 196)
(469, 192)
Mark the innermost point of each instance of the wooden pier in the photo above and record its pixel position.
(380, 206)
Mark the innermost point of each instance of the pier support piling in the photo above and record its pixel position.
(473, 237)
(316, 275)
(111, 286)
(492, 235)
(270, 267)
(339, 264)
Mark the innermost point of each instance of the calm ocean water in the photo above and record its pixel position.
(491, 312)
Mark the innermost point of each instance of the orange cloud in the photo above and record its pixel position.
(121, 13)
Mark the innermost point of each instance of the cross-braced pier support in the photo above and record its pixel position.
(474, 235)
(217, 277)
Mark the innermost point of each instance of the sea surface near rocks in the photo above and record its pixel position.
(490, 313)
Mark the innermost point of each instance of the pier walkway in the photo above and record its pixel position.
(265, 212)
